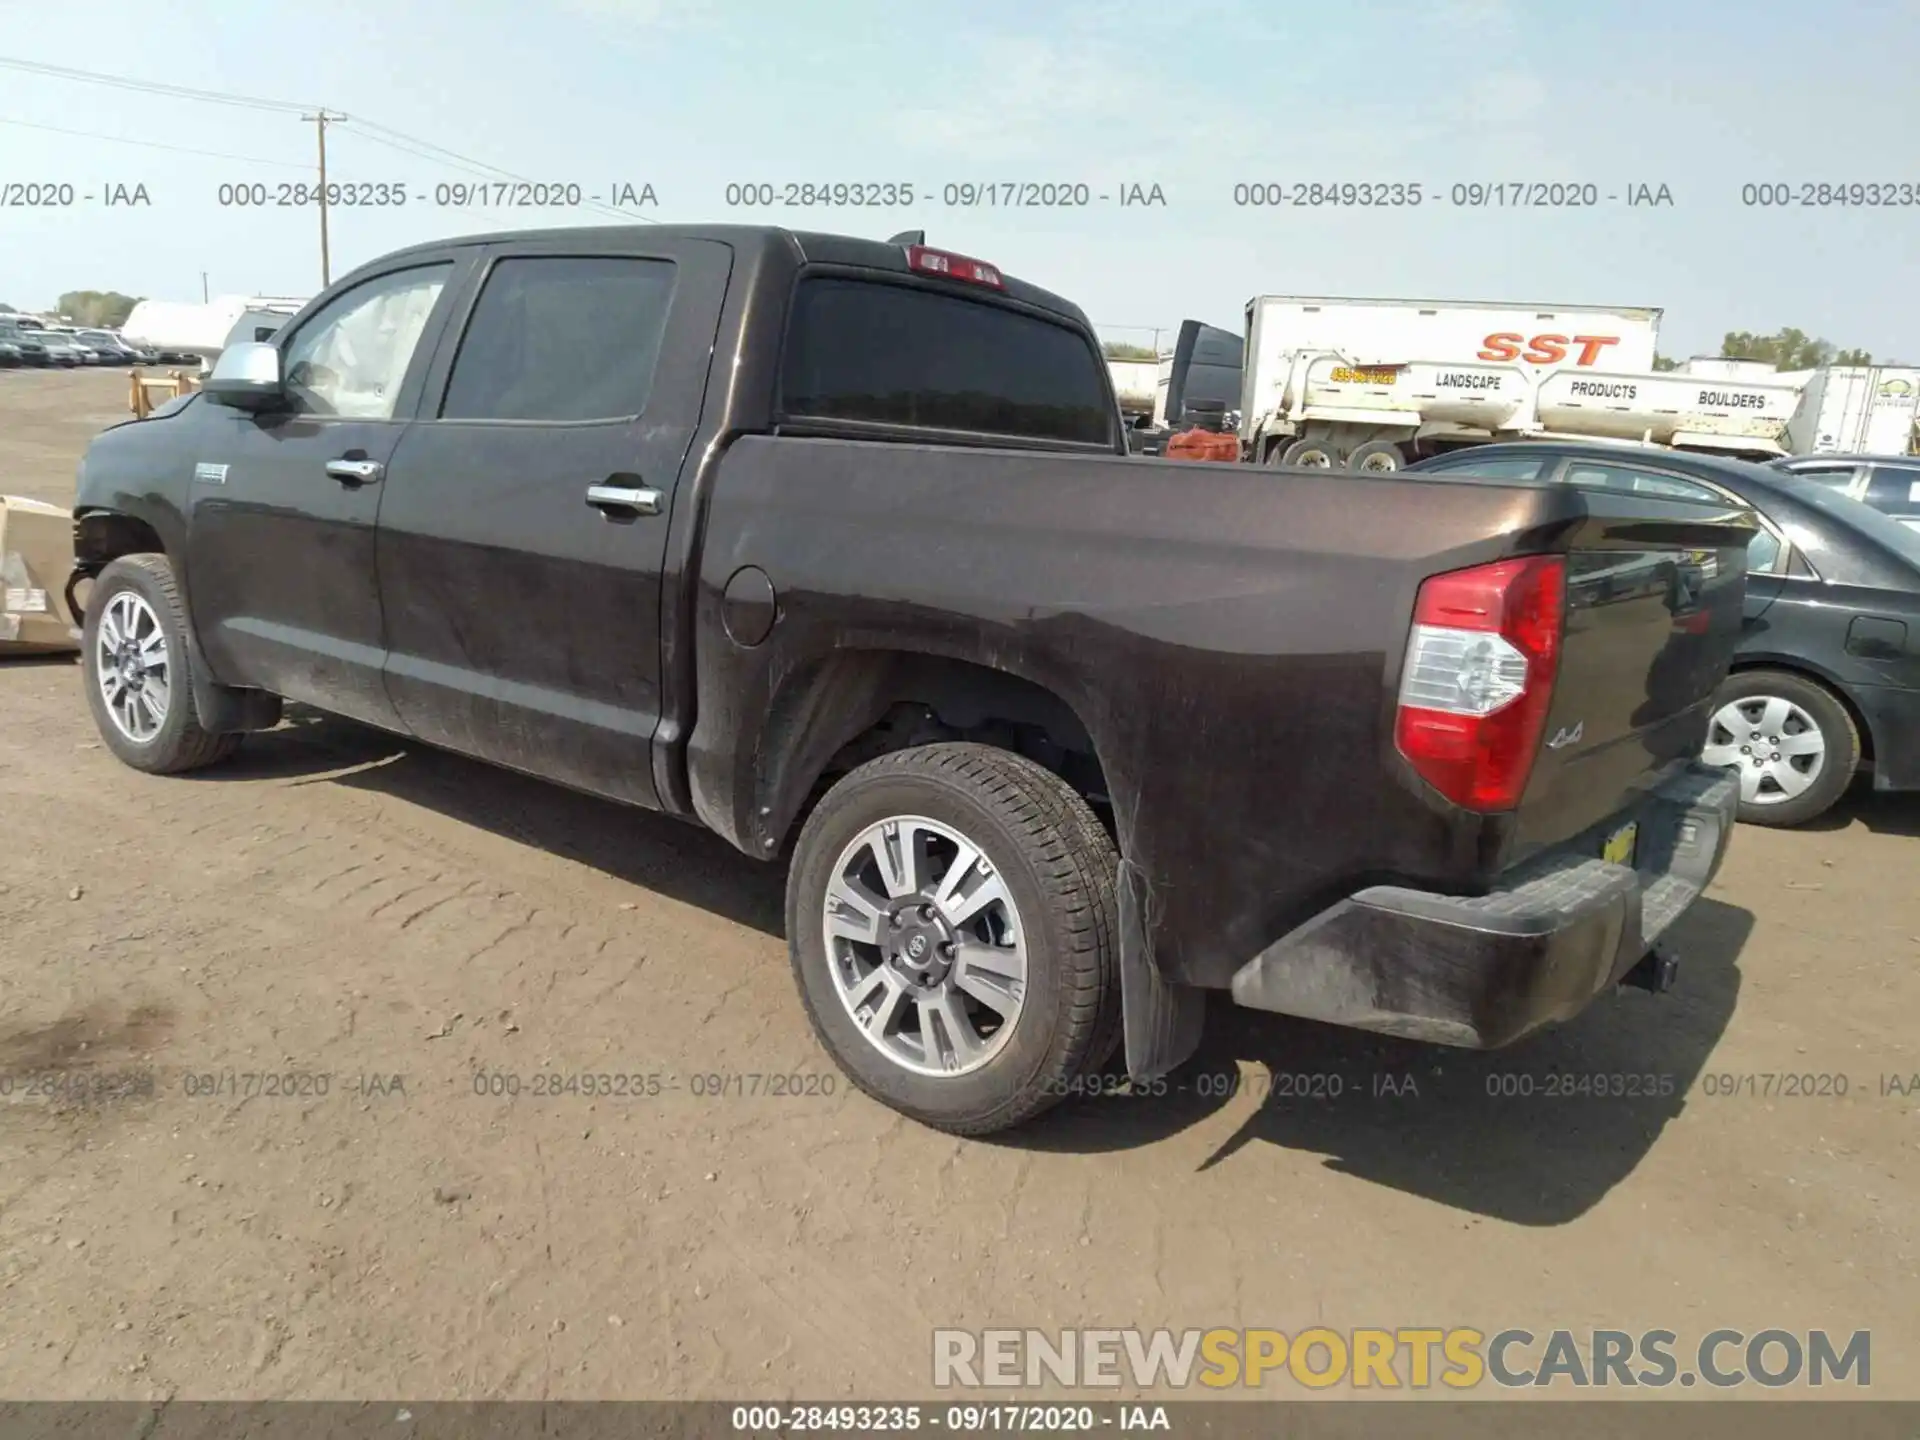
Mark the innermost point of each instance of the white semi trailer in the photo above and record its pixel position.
(1380, 418)
(1859, 410)
(1322, 382)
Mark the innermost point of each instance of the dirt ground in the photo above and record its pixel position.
(338, 904)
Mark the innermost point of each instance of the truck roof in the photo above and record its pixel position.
(764, 242)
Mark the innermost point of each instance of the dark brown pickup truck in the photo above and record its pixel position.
(834, 547)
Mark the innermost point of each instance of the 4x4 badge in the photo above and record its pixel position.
(1566, 737)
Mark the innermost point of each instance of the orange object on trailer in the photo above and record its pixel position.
(1201, 444)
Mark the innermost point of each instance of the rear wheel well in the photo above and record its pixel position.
(1812, 677)
(926, 700)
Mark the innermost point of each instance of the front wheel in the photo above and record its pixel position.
(138, 672)
(1791, 740)
(952, 925)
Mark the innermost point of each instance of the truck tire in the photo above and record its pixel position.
(139, 679)
(1792, 741)
(1378, 456)
(1313, 454)
(952, 925)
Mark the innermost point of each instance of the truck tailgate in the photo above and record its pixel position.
(1654, 592)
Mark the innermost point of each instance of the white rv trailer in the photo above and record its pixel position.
(203, 330)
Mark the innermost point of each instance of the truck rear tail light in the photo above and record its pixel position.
(953, 267)
(1478, 678)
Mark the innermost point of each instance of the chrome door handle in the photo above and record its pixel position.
(356, 472)
(636, 500)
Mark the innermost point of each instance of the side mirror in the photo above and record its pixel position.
(246, 377)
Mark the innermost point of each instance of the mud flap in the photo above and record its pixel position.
(1161, 1021)
(221, 709)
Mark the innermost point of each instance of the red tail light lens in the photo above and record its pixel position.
(1478, 678)
(952, 267)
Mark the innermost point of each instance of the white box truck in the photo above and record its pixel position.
(1134, 382)
(1323, 381)
(1859, 410)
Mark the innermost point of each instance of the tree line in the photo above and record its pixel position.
(1786, 349)
(93, 309)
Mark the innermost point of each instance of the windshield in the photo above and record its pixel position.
(1856, 515)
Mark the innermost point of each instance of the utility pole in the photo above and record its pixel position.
(203, 287)
(322, 120)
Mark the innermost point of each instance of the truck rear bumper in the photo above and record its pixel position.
(1484, 971)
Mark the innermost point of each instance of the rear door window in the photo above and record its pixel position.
(1763, 551)
(562, 338)
(901, 357)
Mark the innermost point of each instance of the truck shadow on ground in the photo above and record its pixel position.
(1536, 1134)
(680, 861)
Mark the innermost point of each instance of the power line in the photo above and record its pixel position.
(380, 134)
(155, 144)
(148, 87)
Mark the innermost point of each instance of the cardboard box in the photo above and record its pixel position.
(36, 557)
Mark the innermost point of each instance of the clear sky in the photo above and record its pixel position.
(1701, 96)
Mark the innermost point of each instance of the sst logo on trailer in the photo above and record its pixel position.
(1544, 349)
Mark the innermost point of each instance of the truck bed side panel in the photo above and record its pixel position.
(1238, 690)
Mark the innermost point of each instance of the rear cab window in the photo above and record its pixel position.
(893, 359)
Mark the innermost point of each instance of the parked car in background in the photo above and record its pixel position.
(62, 351)
(10, 357)
(117, 351)
(1889, 483)
(68, 339)
(1827, 675)
(33, 351)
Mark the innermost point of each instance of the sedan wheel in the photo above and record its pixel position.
(1776, 746)
(1790, 740)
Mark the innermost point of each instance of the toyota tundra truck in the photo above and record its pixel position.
(834, 547)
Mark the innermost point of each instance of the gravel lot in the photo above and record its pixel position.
(336, 903)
